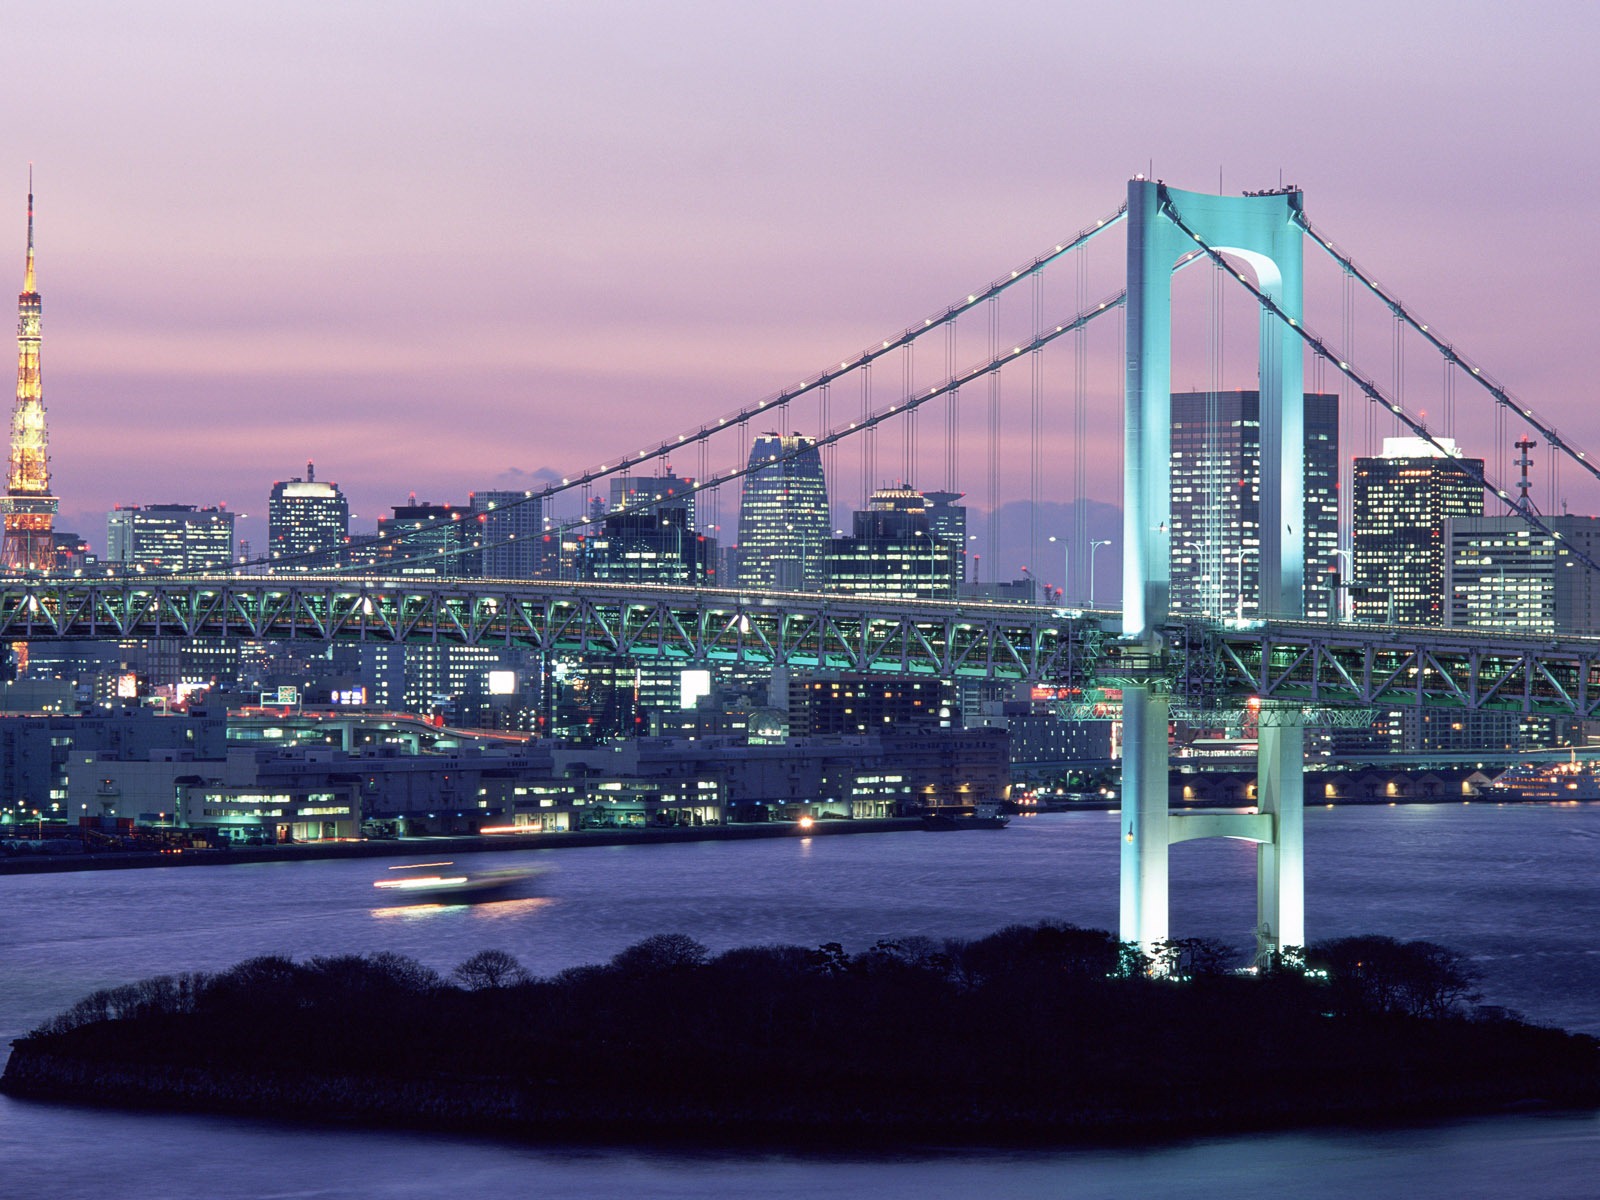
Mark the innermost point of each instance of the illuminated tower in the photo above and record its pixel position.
(29, 508)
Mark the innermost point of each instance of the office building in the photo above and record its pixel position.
(1216, 502)
(1503, 574)
(308, 524)
(893, 553)
(511, 528)
(948, 520)
(783, 515)
(427, 540)
(169, 538)
(1399, 505)
(658, 494)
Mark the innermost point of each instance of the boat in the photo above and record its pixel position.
(979, 816)
(444, 883)
(1572, 780)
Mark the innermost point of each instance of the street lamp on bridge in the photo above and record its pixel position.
(1066, 565)
(1093, 547)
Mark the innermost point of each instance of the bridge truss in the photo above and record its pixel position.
(951, 640)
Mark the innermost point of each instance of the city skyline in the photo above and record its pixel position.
(656, 218)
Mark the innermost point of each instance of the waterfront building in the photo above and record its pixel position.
(172, 538)
(1399, 504)
(784, 521)
(28, 507)
(35, 752)
(308, 524)
(1216, 502)
(837, 703)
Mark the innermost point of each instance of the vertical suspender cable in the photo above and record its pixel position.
(1036, 413)
(1399, 368)
(952, 417)
(908, 388)
(1449, 392)
(1080, 429)
(869, 436)
(994, 445)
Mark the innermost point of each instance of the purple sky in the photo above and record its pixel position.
(439, 247)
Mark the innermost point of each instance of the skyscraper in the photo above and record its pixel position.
(436, 541)
(511, 526)
(170, 537)
(1500, 573)
(29, 508)
(308, 523)
(895, 552)
(656, 494)
(1216, 502)
(1399, 505)
(948, 520)
(783, 514)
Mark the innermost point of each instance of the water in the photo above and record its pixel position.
(1510, 886)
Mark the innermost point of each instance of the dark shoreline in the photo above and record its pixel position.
(495, 1109)
(1044, 1035)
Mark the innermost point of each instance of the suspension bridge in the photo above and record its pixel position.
(1150, 661)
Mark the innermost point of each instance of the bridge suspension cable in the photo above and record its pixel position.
(1372, 391)
(1402, 314)
(868, 356)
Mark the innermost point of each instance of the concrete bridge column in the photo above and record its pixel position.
(1280, 863)
(1144, 816)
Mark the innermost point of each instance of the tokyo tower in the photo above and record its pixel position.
(29, 508)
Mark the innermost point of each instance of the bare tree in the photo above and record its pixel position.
(489, 969)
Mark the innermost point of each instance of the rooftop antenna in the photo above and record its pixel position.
(27, 282)
(1525, 485)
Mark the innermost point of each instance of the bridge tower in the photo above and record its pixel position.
(1262, 230)
(28, 506)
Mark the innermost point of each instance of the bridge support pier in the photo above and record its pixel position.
(1144, 816)
(1280, 862)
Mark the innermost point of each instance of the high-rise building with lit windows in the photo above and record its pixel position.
(1216, 502)
(894, 551)
(783, 515)
(1399, 504)
(28, 506)
(1501, 573)
(308, 524)
(511, 526)
(169, 537)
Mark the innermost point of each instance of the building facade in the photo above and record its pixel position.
(169, 537)
(784, 521)
(511, 526)
(1216, 502)
(1400, 502)
(894, 552)
(308, 524)
(1500, 573)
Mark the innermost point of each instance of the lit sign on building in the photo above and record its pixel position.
(692, 685)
